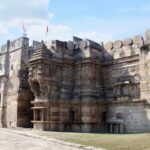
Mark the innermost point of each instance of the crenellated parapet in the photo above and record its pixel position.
(76, 49)
(127, 47)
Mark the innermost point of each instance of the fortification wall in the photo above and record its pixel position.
(13, 45)
(120, 49)
(126, 70)
(122, 67)
(135, 116)
(145, 68)
(122, 79)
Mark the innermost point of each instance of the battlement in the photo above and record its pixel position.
(77, 49)
(15, 44)
(85, 48)
(127, 47)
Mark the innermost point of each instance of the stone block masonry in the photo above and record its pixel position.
(78, 85)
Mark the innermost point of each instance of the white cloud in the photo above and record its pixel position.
(17, 12)
(65, 33)
(60, 32)
(35, 15)
(10, 10)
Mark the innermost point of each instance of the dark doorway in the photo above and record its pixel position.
(24, 111)
(104, 116)
(72, 115)
(36, 88)
(38, 115)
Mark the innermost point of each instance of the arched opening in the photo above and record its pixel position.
(24, 112)
(36, 88)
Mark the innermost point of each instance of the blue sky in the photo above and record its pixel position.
(106, 20)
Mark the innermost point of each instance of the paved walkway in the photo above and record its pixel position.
(13, 141)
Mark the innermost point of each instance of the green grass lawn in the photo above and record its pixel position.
(106, 141)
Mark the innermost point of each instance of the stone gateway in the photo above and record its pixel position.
(78, 85)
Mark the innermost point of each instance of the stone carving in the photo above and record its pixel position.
(77, 46)
(128, 42)
(109, 46)
(147, 35)
(83, 44)
(70, 45)
(122, 53)
(138, 40)
(43, 87)
(117, 44)
(35, 87)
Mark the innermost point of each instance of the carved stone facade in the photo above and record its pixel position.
(67, 87)
(78, 85)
